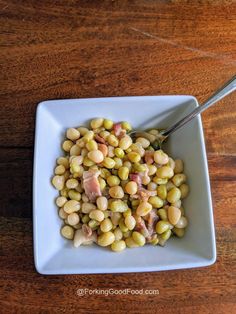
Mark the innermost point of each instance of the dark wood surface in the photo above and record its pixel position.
(73, 49)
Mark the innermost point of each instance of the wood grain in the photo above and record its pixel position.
(71, 49)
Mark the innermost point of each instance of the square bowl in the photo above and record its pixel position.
(55, 255)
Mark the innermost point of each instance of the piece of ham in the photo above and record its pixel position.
(91, 184)
(145, 194)
(141, 227)
(149, 157)
(136, 178)
(151, 222)
(103, 148)
(118, 131)
(99, 139)
(146, 225)
(82, 238)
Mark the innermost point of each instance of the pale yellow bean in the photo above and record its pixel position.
(104, 134)
(82, 130)
(87, 207)
(162, 191)
(119, 152)
(71, 206)
(118, 206)
(155, 201)
(92, 145)
(179, 179)
(108, 124)
(96, 156)
(134, 157)
(184, 189)
(102, 183)
(106, 225)
(162, 213)
(138, 238)
(116, 192)
(165, 172)
(118, 246)
(123, 173)
(66, 145)
(108, 163)
(93, 224)
(74, 195)
(73, 219)
(131, 187)
(67, 232)
(72, 183)
(122, 225)
(102, 203)
(85, 218)
(179, 232)
(174, 214)
(88, 136)
(162, 226)
(152, 186)
(115, 218)
(160, 157)
(118, 162)
(58, 182)
(169, 185)
(60, 201)
(126, 126)
(173, 195)
(113, 140)
(63, 161)
(127, 164)
(160, 181)
(75, 150)
(85, 198)
(143, 141)
(130, 222)
(118, 234)
(106, 238)
(151, 170)
(96, 123)
(72, 134)
(60, 169)
(97, 215)
(179, 166)
(113, 181)
(171, 163)
(130, 243)
(166, 235)
(177, 204)
(182, 223)
(62, 214)
(125, 142)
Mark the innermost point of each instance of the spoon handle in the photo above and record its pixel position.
(226, 89)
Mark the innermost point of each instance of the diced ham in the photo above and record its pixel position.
(136, 178)
(145, 194)
(152, 219)
(118, 131)
(141, 227)
(80, 238)
(117, 128)
(99, 139)
(87, 231)
(149, 157)
(91, 184)
(147, 228)
(103, 148)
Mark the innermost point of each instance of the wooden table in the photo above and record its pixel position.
(72, 49)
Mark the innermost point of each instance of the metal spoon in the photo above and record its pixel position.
(226, 89)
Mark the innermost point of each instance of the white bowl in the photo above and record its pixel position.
(55, 255)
